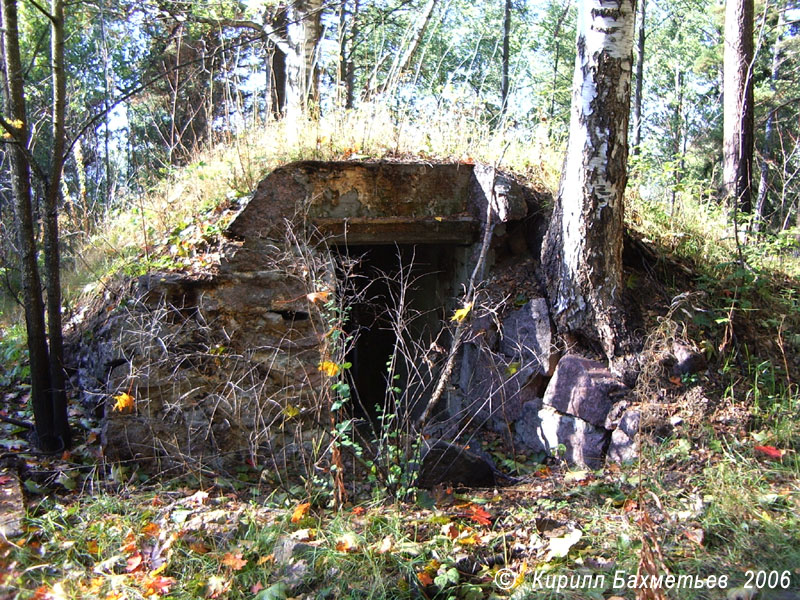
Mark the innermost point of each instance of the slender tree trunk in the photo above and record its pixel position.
(677, 155)
(637, 96)
(738, 103)
(556, 62)
(303, 32)
(766, 149)
(52, 254)
(41, 398)
(350, 66)
(403, 61)
(582, 254)
(506, 56)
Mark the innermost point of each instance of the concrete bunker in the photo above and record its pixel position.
(253, 385)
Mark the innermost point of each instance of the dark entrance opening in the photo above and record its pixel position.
(401, 297)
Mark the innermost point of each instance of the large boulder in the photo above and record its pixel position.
(528, 336)
(583, 388)
(545, 429)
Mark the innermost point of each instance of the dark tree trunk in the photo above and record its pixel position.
(766, 149)
(41, 398)
(582, 255)
(506, 55)
(738, 103)
(52, 254)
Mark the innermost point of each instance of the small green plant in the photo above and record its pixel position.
(14, 354)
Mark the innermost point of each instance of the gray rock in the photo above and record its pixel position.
(687, 360)
(528, 336)
(287, 550)
(623, 448)
(585, 444)
(443, 462)
(494, 388)
(583, 388)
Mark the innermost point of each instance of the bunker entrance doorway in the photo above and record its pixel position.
(401, 297)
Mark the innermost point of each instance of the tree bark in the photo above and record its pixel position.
(582, 254)
(506, 56)
(637, 96)
(52, 254)
(766, 149)
(303, 33)
(41, 399)
(738, 103)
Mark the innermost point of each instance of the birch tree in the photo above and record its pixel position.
(582, 255)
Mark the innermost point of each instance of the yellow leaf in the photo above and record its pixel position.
(315, 297)
(386, 545)
(469, 540)
(300, 512)
(438, 219)
(330, 368)
(92, 547)
(151, 529)
(291, 411)
(461, 314)
(124, 402)
(234, 561)
(347, 543)
(216, 586)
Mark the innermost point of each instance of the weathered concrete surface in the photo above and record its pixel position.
(224, 367)
(376, 203)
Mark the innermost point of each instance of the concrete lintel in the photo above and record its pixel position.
(400, 230)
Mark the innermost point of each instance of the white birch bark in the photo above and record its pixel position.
(582, 255)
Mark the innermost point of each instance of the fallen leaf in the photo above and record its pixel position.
(450, 530)
(199, 497)
(471, 539)
(130, 543)
(199, 548)
(770, 452)
(5, 479)
(424, 578)
(386, 545)
(151, 529)
(158, 585)
(216, 586)
(92, 547)
(359, 510)
(695, 535)
(560, 546)
(134, 562)
(478, 515)
(255, 588)
(124, 402)
(300, 512)
(576, 476)
(347, 543)
(234, 561)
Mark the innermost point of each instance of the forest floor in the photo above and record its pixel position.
(712, 507)
(713, 502)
